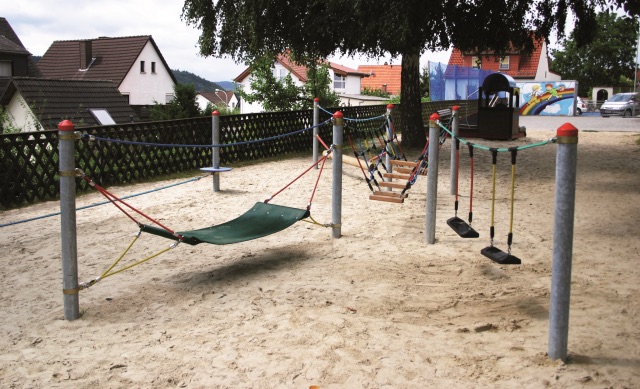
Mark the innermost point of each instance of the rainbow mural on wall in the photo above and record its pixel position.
(547, 97)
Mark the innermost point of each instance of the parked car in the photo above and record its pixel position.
(621, 104)
(580, 106)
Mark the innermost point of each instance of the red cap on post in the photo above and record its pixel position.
(434, 116)
(567, 129)
(390, 106)
(338, 115)
(66, 125)
(215, 113)
(315, 99)
(455, 108)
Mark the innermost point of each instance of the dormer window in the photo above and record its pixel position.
(476, 62)
(339, 81)
(5, 69)
(141, 66)
(504, 63)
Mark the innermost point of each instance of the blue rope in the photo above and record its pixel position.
(354, 119)
(100, 203)
(93, 137)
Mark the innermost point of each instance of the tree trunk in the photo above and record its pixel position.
(411, 123)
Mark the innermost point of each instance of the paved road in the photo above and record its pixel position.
(582, 123)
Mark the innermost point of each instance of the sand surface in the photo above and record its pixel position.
(376, 308)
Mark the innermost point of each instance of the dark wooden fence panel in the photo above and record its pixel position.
(29, 161)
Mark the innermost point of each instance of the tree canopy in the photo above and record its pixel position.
(282, 94)
(247, 30)
(609, 58)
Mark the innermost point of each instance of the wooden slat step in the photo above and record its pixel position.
(398, 162)
(390, 194)
(396, 185)
(396, 175)
(403, 170)
(388, 199)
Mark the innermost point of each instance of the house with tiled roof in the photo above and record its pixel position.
(521, 67)
(346, 81)
(133, 63)
(387, 78)
(15, 59)
(36, 104)
(217, 98)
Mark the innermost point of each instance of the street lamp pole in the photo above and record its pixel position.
(226, 104)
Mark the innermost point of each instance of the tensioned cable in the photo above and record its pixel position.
(100, 203)
(500, 149)
(93, 137)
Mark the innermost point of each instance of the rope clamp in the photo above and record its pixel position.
(76, 135)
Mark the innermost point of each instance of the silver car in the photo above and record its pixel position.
(621, 104)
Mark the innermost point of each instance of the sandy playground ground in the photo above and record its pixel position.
(376, 308)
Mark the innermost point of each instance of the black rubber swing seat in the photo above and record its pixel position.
(462, 228)
(499, 256)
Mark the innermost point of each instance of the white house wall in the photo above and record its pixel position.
(21, 115)
(543, 72)
(147, 88)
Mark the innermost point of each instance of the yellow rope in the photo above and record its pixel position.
(109, 272)
(104, 274)
(313, 221)
(493, 193)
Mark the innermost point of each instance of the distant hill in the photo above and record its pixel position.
(227, 85)
(202, 85)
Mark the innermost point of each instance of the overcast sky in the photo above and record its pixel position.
(38, 23)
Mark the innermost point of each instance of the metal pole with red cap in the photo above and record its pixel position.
(68, 237)
(316, 121)
(566, 162)
(432, 179)
(336, 193)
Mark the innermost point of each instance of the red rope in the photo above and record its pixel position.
(358, 159)
(113, 198)
(324, 158)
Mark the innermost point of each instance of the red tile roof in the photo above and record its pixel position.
(520, 66)
(379, 75)
(114, 57)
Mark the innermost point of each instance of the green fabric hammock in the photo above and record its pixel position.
(261, 220)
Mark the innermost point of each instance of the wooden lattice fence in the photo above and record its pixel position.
(29, 161)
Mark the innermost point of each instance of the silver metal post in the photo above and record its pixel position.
(566, 161)
(432, 180)
(316, 121)
(215, 152)
(336, 214)
(455, 129)
(68, 237)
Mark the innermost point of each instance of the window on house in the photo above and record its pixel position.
(279, 73)
(102, 116)
(339, 81)
(476, 62)
(153, 67)
(168, 98)
(141, 66)
(504, 63)
(5, 69)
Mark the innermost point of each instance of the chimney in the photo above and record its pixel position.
(85, 54)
